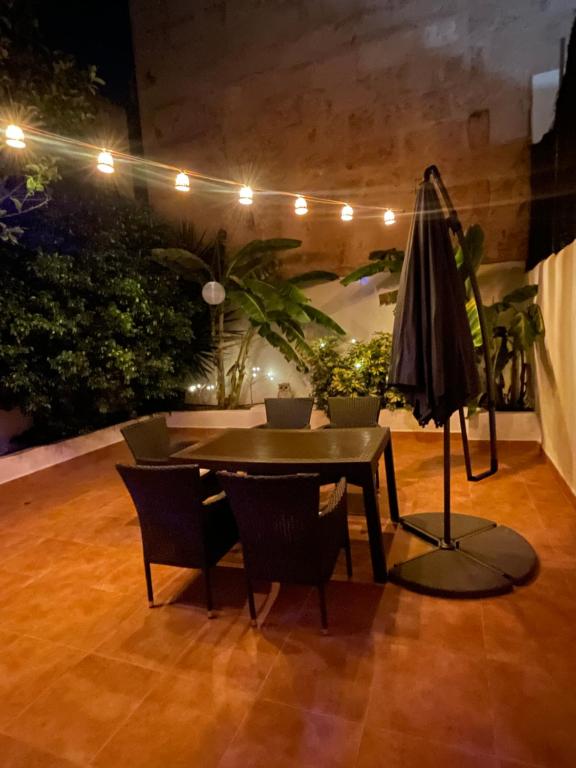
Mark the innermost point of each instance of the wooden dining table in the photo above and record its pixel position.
(353, 453)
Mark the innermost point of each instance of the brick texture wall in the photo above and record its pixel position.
(347, 98)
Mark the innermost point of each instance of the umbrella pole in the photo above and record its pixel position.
(447, 542)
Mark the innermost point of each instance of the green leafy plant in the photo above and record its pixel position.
(390, 260)
(43, 88)
(259, 302)
(92, 331)
(514, 323)
(359, 368)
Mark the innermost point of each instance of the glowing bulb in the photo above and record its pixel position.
(322, 344)
(15, 137)
(357, 366)
(105, 162)
(347, 213)
(246, 196)
(182, 183)
(389, 217)
(300, 206)
(353, 341)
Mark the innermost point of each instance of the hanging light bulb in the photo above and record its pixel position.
(105, 162)
(15, 137)
(300, 206)
(246, 196)
(182, 183)
(389, 217)
(347, 213)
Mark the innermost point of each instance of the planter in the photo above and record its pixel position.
(510, 426)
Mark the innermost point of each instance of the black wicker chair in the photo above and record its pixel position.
(285, 535)
(288, 412)
(346, 412)
(150, 439)
(179, 526)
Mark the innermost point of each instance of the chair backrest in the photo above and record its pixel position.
(168, 501)
(277, 520)
(288, 412)
(148, 439)
(354, 411)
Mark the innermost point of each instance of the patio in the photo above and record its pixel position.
(91, 676)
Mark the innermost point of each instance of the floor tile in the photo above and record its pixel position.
(288, 737)
(27, 667)
(83, 708)
(180, 724)
(16, 754)
(380, 748)
(424, 690)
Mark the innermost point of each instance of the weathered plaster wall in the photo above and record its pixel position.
(346, 97)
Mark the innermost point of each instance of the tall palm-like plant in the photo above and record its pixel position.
(259, 302)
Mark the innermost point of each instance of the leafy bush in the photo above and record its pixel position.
(359, 368)
(92, 331)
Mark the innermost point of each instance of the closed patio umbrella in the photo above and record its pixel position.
(433, 365)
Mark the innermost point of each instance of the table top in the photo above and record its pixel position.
(292, 446)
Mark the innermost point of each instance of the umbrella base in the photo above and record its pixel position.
(482, 561)
(430, 525)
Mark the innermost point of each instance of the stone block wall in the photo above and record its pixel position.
(350, 99)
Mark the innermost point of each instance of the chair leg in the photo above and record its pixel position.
(208, 589)
(323, 612)
(251, 603)
(348, 551)
(149, 587)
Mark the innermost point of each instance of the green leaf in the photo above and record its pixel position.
(248, 304)
(392, 255)
(279, 343)
(320, 318)
(260, 248)
(366, 270)
(186, 264)
(520, 295)
(315, 277)
(474, 322)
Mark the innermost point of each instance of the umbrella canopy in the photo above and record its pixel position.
(432, 351)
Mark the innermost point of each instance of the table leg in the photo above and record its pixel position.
(391, 482)
(374, 526)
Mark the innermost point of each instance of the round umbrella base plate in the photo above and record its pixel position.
(489, 562)
(430, 525)
(450, 573)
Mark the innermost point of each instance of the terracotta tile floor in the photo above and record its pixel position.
(89, 675)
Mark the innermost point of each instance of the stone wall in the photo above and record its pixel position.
(346, 98)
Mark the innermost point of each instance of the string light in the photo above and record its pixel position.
(347, 213)
(182, 183)
(246, 196)
(15, 137)
(389, 217)
(300, 206)
(105, 162)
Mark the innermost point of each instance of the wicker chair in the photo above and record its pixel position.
(285, 535)
(353, 412)
(149, 439)
(288, 412)
(179, 526)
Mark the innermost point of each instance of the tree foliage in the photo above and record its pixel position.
(270, 306)
(358, 368)
(92, 331)
(42, 88)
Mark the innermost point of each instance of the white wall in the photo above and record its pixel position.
(556, 360)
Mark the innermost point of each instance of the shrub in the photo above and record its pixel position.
(359, 368)
(92, 331)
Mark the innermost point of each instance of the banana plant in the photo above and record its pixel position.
(259, 302)
(513, 324)
(390, 260)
